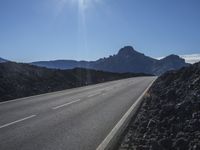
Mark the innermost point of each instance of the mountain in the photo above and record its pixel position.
(21, 80)
(169, 118)
(62, 64)
(171, 62)
(126, 60)
(2, 60)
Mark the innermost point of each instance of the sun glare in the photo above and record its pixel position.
(85, 4)
(83, 7)
(82, 4)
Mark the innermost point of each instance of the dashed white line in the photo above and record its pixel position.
(66, 104)
(94, 94)
(14, 122)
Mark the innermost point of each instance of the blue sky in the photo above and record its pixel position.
(32, 30)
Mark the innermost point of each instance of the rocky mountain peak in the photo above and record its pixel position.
(127, 51)
(126, 60)
(173, 57)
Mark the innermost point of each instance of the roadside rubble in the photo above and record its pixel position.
(169, 118)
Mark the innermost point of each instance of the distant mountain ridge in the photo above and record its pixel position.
(2, 60)
(126, 60)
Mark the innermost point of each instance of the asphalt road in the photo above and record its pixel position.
(75, 119)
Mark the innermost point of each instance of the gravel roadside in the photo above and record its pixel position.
(169, 118)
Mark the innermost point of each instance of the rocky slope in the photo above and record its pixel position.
(126, 60)
(169, 118)
(20, 80)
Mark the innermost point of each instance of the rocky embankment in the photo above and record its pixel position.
(169, 118)
(20, 80)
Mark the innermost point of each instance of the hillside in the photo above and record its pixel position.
(170, 115)
(21, 80)
(126, 60)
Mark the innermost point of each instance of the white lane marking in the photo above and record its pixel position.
(66, 104)
(14, 122)
(94, 94)
(113, 133)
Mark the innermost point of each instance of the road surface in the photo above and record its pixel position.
(74, 119)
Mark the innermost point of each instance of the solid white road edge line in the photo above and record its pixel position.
(104, 144)
(66, 104)
(14, 122)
